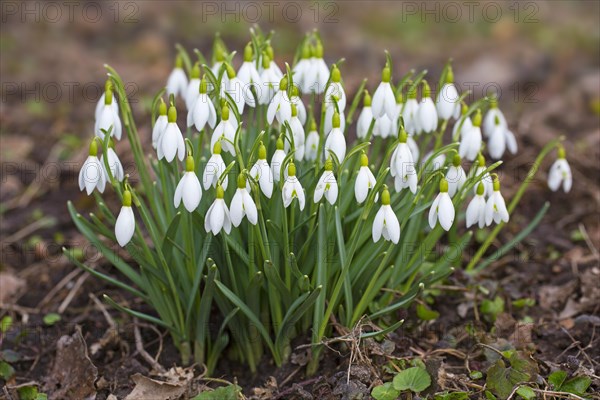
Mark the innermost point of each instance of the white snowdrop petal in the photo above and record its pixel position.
(125, 226)
(236, 208)
(446, 211)
(378, 224)
(433, 212)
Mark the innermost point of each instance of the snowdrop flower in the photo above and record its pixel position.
(270, 82)
(476, 208)
(297, 101)
(217, 216)
(365, 180)
(320, 73)
(171, 141)
(384, 102)
(297, 134)
(447, 103)
(248, 74)
(101, 101)
(280, 105)
(109, 118)
(311, 147)
(214, 169)
(560, 172)
(125, 224)
(242, 204)
(499, 139)
(414, 148)
(188, 189)
(160, 124)
(470, 142)
(365, 118)
(292, 189)
(203, 110)
(495, 208)
(328, 118)
(114, 165)
(336, 142)
(455, 176)
(302, 70)
(239, 92)
(386, 223)
(92, 175)
(193, 88)
(427, 114)
(410, 114)
(224, 132)
(442, 209)
(402, 165)
(327, 185)
(336, 89)
(272, 64)
(464, 123)
(262, 173)
(489, 122)
(177, 83)
(277, 159)
(477, 169)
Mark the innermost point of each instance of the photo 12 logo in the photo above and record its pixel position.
(470, 11)
(269, 11)
(53, 12)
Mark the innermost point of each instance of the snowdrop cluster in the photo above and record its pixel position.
(235, 148)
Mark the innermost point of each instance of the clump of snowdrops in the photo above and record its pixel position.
(272, 205)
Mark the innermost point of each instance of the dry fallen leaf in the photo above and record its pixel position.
(10, 285)
(177, 383)
(73, 374)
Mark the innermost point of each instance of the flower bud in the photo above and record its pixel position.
(364, 160)
(262, 152)
(248, 52)
(93, 148)
(189, 163)
(385, 196)
(292, 169)
(443, 185)
(335, 74)
(456, 160)
(162, 107)
(127, 198)
(335, 121)
(196, 71)
(367, 99)
(386, 75)
(172, 115)
(477, 118)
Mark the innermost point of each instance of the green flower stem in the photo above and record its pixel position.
(514, 202)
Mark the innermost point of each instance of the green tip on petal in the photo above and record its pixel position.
(329, 164)
(443, 185)
(336, 76)
(220, 192)
(283, 83)
(93, 148)
(402, 135)
(477, 118)
(178, 61)
(399, 97)
(292, 169)
(126, 198)
(217, 147)
(225, 112)
(248, 52)
(426, 89)
(496, 120)
(496, 183)
(196, 71)
(266, 60)
(241, 181)
(480, 189)
(367, 99)
(450, 75)
(294, 110)
(279, 144)
(386, 75)
(203, 85)
(480, 160)
(172, 114)
(561, 152)
(230, 72)
(162, 107)
(262, 152)
(108, 96)
(306, 51)
(385, 196)
(456, 160)
(364, 160)
(335, 120)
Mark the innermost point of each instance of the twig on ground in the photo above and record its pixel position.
(139, 346)
(63, 282)
(63, 306)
